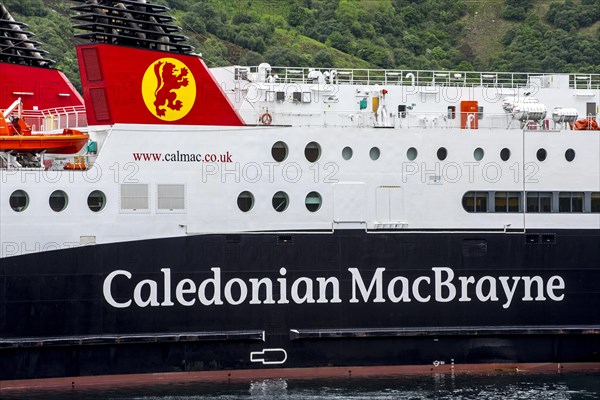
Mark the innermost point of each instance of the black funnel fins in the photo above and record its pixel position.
(129, 23)
(16, 46)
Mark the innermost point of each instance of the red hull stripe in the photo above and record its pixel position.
(108, 381)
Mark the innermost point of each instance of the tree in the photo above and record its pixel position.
(297, 15)
(323, 59)
(339, 41)
(194, 23)
(251, 58)
(517, 10)
(570, 16)
(285, 57)
(29, 8)
(464, 66)
(242, 18)
(247, 38)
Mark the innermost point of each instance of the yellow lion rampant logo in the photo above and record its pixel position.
(169, 89)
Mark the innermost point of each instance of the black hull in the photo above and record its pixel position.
(56, 321)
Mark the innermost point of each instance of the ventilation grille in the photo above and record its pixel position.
(92, 65)
(100, 104)
(134, 197)
(171, 197)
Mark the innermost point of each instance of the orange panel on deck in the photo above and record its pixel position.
(469, 107)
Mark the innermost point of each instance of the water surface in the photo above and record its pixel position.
(505, 386)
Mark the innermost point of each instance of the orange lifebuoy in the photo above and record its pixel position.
(266, 119)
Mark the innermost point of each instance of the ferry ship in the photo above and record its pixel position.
(277, 221)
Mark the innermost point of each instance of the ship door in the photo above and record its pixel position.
(349, 202)
(390, 204)
(591, 110)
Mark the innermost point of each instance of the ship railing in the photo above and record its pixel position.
(48, 162)
(408, 77)
(55, 119)
(401, 121)
(584, 81)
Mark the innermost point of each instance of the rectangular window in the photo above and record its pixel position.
(564, 202)
(507, 202)
(480, 201)
(539, 202)
(468, 202)
(577, 202)
(480, 112)
(514, 202)
(134, 197)
(170, 197)
(533, 202)
(570, 202)
(545, 202)
(596, 202)
(241, 74)
(500, 202)
(475, 201)
(451, 112)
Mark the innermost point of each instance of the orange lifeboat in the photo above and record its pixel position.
(68, 142)
(16, 136)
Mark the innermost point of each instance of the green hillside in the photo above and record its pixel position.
(504, 35)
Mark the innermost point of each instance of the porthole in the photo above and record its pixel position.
(347, 153)
(541, 154)
(245, 201)
(412, 154)
(313, 201)
(19, 200)
(279, 151)
(280, 201)
(505, 154)
(58, 201)
(374, 153)
(570, 155)
(442, 153)
(96, 201)
(478, 154)
(312, 151)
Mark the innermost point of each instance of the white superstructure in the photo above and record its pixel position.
(327, 150)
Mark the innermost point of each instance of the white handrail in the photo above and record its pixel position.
(358, 76)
